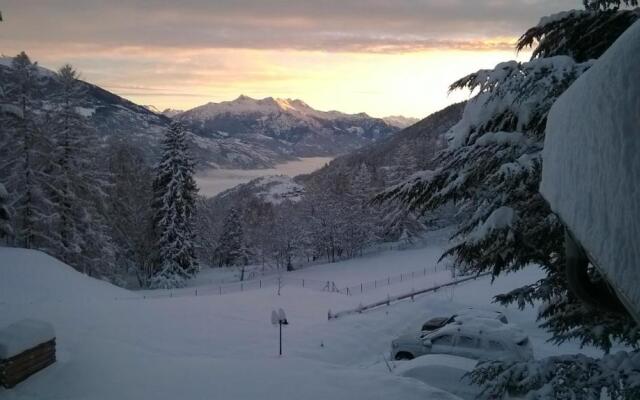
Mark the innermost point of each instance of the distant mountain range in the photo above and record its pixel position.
(399, 121)
(275, 130)
(411, 150)
(244, 133)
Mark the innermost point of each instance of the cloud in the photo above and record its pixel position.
(318, 25)
(379, 56)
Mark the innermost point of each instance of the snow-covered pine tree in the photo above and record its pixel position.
(232, 250)
(608, 4)
(580, 34)
(564, 377)
(24, 152)
(491, 169)
(130, 215)
(286, 235)
(5, 215)
(175, 194)
(362, 218)
(77, 185)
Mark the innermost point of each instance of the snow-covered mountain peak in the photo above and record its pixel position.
(171, 112)
(247, 105)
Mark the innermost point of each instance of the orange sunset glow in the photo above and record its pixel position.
(386, 61)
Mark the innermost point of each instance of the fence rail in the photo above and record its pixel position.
(391, 280)
(283, 281)
(393, 299)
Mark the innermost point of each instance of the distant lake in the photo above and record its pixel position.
(214, 181)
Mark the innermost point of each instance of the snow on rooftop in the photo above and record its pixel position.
(24, 335)
(483, 326)
(591, 169)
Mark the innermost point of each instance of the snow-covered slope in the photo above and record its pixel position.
(591, 173)
(32, 277)
(240, 134)
(268, 189)
(113, 116)
(113, 344)
(282, 129)
(397, 157)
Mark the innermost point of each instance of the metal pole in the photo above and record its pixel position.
(280, 324)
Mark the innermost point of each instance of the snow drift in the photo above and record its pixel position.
(30, 276)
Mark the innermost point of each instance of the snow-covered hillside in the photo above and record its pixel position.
(225, 346)
(113, 117)
(244, 133)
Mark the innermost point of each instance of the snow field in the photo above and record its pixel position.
(224, 347)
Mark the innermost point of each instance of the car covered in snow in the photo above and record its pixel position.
(461, 316)
(479, 338)
(442, 371)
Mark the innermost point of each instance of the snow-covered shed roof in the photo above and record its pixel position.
(24, 335)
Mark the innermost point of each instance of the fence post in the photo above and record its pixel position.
(347, 291)
(220, 287)
(388, 281)
(361, 288)
(196, 292)
(401, 277)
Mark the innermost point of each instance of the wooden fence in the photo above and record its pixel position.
(393, 299)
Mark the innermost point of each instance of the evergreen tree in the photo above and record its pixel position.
(82, 238)
(130, 213)
(5, 216)
(232, 249)
(175, 193)
(491, 169)
(596, 5)
(24, 153)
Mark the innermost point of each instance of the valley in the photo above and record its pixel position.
(214, 181)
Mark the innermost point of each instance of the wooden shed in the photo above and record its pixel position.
(26, 347)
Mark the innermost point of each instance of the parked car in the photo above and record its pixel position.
(443, 371)
(463, 315)
(480, 338)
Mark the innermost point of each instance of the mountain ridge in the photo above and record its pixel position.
(261, 134)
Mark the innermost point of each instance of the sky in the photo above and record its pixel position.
(383, 57)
